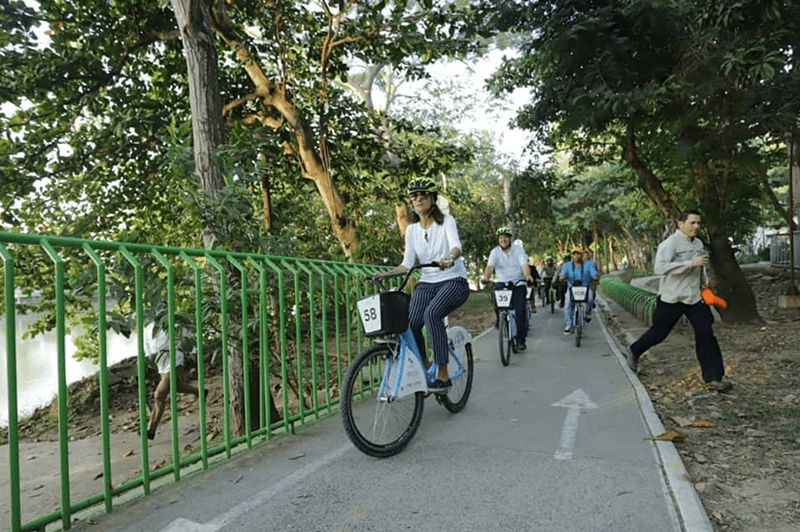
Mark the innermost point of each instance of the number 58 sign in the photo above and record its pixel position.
(370, 310)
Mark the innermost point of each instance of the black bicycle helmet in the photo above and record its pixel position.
(422, 185)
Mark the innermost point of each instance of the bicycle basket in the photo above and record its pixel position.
(385, 313)
(579, 293)
(502, 298)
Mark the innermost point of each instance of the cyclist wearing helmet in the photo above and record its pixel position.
(433, 236)
(509, 262)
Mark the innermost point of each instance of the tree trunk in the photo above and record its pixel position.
(303, 148)
(207, 130)
(648, 182)
(727, 278)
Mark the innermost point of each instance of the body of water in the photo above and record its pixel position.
(37, 366)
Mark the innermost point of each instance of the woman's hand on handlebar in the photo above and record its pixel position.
(446, 262)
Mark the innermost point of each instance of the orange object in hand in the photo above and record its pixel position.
(712, 299)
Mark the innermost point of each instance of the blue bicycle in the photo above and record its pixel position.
(385, 386)
(507, 320)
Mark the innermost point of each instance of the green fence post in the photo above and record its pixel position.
(101, 330)
(264, 392)
(312, 337)
(324, 313)
(140, 364)
(63, 413)
(223, 297)
(173, 377)
(15, 518)
(287, 426)
(298, 352)
(245, 350)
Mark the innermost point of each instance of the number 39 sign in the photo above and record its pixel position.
(503, 298)
(370, 310)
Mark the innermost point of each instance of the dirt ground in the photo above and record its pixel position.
(740, 448)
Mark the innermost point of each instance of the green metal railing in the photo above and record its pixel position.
(641, 303)
(284, 321)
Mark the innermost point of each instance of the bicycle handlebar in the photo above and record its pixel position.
(390, 275)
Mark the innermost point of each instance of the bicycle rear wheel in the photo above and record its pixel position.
(376, 426)
(456, 397)
(505, 344)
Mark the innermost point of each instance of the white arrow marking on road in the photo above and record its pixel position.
(574, 403)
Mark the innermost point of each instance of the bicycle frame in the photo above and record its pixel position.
(402, 375)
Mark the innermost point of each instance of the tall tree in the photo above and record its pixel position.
(649, 76)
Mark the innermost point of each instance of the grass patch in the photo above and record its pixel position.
(477, 302)
(766, 413)
(730, 419)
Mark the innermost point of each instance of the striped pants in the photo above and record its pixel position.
(430, 303)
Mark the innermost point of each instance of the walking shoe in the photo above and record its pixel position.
(719, 386)
(588, 319)
(633, 360)
(440, 386)
(521, 345)
(567, 330)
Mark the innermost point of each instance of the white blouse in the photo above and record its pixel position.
(433, 243)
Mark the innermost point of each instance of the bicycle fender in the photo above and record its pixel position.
(458, 338)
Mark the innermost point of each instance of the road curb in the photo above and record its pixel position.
(691, 515)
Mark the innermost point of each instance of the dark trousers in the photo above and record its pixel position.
(430, 303)
(666, 315)
(518, 298)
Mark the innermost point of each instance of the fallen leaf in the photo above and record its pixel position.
(129, 453)
(701, 423)
(682, 421)
(670, 435)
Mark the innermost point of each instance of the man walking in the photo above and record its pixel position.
(680, 260)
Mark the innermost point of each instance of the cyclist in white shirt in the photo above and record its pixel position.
(509, 263)
(433, 236)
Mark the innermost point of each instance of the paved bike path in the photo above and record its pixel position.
(553, 442)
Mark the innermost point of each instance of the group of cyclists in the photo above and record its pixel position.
(432, 237)
(512, 271)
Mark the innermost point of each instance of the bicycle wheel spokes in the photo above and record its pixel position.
(377, 424)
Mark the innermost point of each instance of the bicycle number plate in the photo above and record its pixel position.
(502, 298)
(579, 293)
(369, 309)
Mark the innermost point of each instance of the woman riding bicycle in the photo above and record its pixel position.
(510, 263)
(577, 273)
(433, 236)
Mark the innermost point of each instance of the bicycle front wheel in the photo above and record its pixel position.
(578, 324)
(457, 395)
(505, 345)
(376, 425)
